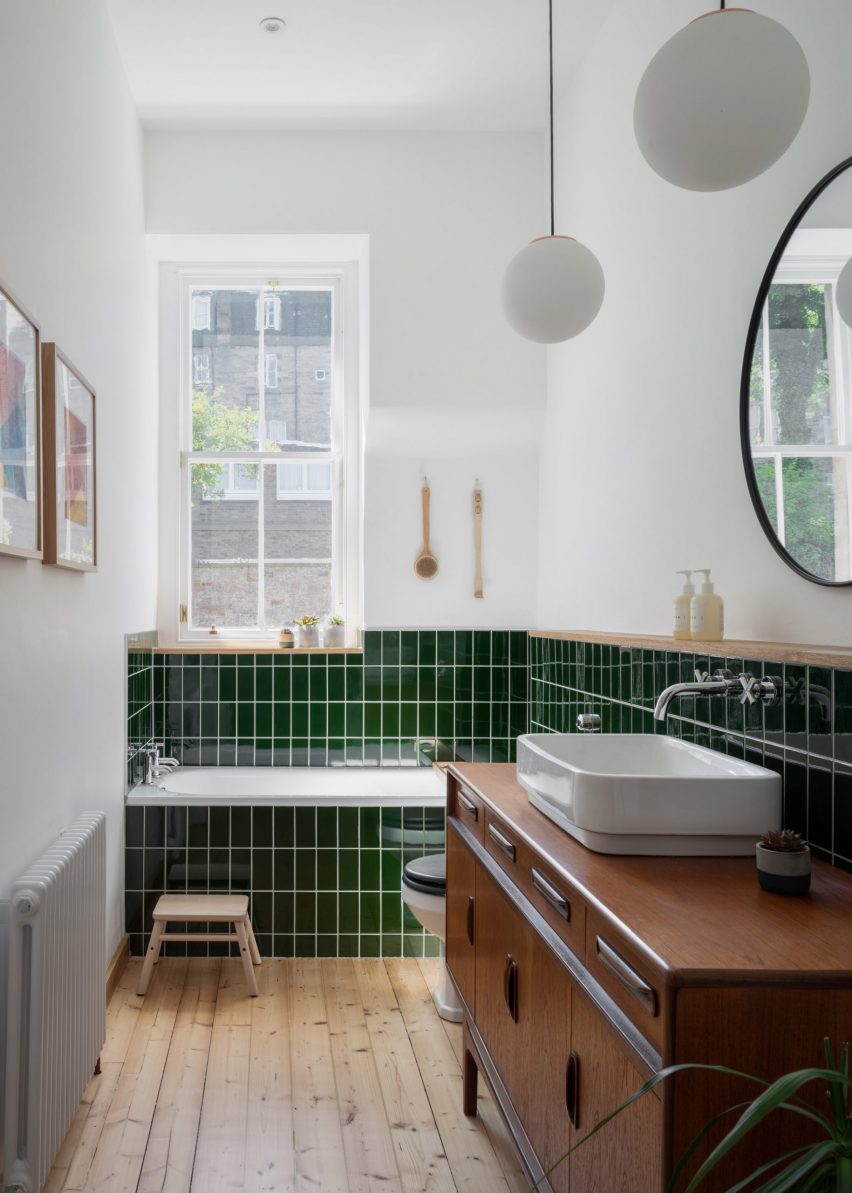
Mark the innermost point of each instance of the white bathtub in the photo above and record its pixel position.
(376, 786)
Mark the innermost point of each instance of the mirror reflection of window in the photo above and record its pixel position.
(800, 400)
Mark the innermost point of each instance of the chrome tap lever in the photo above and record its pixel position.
(750, 693)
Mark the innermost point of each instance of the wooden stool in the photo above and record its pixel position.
(211, 908)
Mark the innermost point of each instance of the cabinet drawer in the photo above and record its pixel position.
(467, 808)
(551, 895)
(627, 976)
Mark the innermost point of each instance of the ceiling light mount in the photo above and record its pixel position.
(273, 24)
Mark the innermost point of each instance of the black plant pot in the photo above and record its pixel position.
(784, 873)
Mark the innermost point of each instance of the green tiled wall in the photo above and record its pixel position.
(322, 882)
(140, 706)
(807, 739)
(413, 695)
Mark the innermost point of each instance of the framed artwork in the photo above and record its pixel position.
(70, 507)
(20, 431)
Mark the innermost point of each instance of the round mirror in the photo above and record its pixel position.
(796, 401)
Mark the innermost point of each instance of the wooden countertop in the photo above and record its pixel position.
(703, 920)
(768, 652)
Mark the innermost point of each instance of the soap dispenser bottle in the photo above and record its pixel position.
(706, 618)
(682, 603)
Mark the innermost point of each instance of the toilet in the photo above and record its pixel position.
(424, 891)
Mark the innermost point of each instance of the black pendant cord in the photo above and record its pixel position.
(550, 42)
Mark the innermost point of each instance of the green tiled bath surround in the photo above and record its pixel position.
(411, 695)
(807, 739)
(322, 881)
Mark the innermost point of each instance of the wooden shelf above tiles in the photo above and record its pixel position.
(775, 652)
(251, 648)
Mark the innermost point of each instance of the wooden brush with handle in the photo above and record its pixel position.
(477, 540)
(426, 565)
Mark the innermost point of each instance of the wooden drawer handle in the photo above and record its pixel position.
(470, 905)
(510, 986)
(628, 977)
(549, 892)
(467, 805)
(502, 842)
(572, 1089)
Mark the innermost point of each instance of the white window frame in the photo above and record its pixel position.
(272, 312)
(200, 362)
(271, 358)
(303, 493)
(806, 269)
(202, 312)
(345, 454)
(231, 491)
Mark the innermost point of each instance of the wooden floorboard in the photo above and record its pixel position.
(338, 1078)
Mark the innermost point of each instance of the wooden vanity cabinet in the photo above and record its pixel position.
(582, 975)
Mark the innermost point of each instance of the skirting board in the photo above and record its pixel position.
(116, 966)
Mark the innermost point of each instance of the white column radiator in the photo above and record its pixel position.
(56, 998)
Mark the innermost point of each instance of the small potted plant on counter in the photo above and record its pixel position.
(306, 630)
(783, 863)
(333, 631)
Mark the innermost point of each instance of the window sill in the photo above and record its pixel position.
(225, 647)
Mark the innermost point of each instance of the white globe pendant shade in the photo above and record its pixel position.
(722, 100)
(552, 289)
(843, 293)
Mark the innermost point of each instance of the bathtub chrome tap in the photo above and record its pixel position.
(745, 688)
(155, 765)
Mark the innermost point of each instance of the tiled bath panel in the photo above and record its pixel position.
(411, 696)
(807, 739)
(322, 882)
(140, 702)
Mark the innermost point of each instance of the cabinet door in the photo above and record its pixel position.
(626, 1155)
(503, 979)
(461, 918)
(541, 1092)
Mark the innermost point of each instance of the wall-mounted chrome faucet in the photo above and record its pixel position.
(155, 764)
(745, 688)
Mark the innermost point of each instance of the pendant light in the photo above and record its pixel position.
(843, 293)
(554, 287)
(722, 100)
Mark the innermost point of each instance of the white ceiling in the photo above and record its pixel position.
(348, 64)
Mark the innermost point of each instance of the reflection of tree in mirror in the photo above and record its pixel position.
(809, 513)
(220, 428)
(799, 371)
(764, 474)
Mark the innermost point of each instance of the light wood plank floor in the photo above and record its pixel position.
(339, 1078)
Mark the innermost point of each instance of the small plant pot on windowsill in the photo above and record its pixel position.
(784, 872)
(306, 636)
(333, 636)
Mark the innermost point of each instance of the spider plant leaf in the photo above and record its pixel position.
(764, 1168)
(671, 1187)
(771, 1099)
(790, 1180)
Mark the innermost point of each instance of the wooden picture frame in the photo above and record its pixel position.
(21, 529)
(70, 464)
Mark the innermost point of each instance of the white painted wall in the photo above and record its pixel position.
(444, 212)
(72, 248)
(642, 470)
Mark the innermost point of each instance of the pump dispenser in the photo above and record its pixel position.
(682, 603)
(706, 618)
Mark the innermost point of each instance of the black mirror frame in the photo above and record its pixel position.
(745, 382)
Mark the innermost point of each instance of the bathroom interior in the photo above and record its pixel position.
(425, 581)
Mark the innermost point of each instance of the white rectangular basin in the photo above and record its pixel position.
(645, 794)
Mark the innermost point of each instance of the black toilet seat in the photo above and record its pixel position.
(427, 874)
